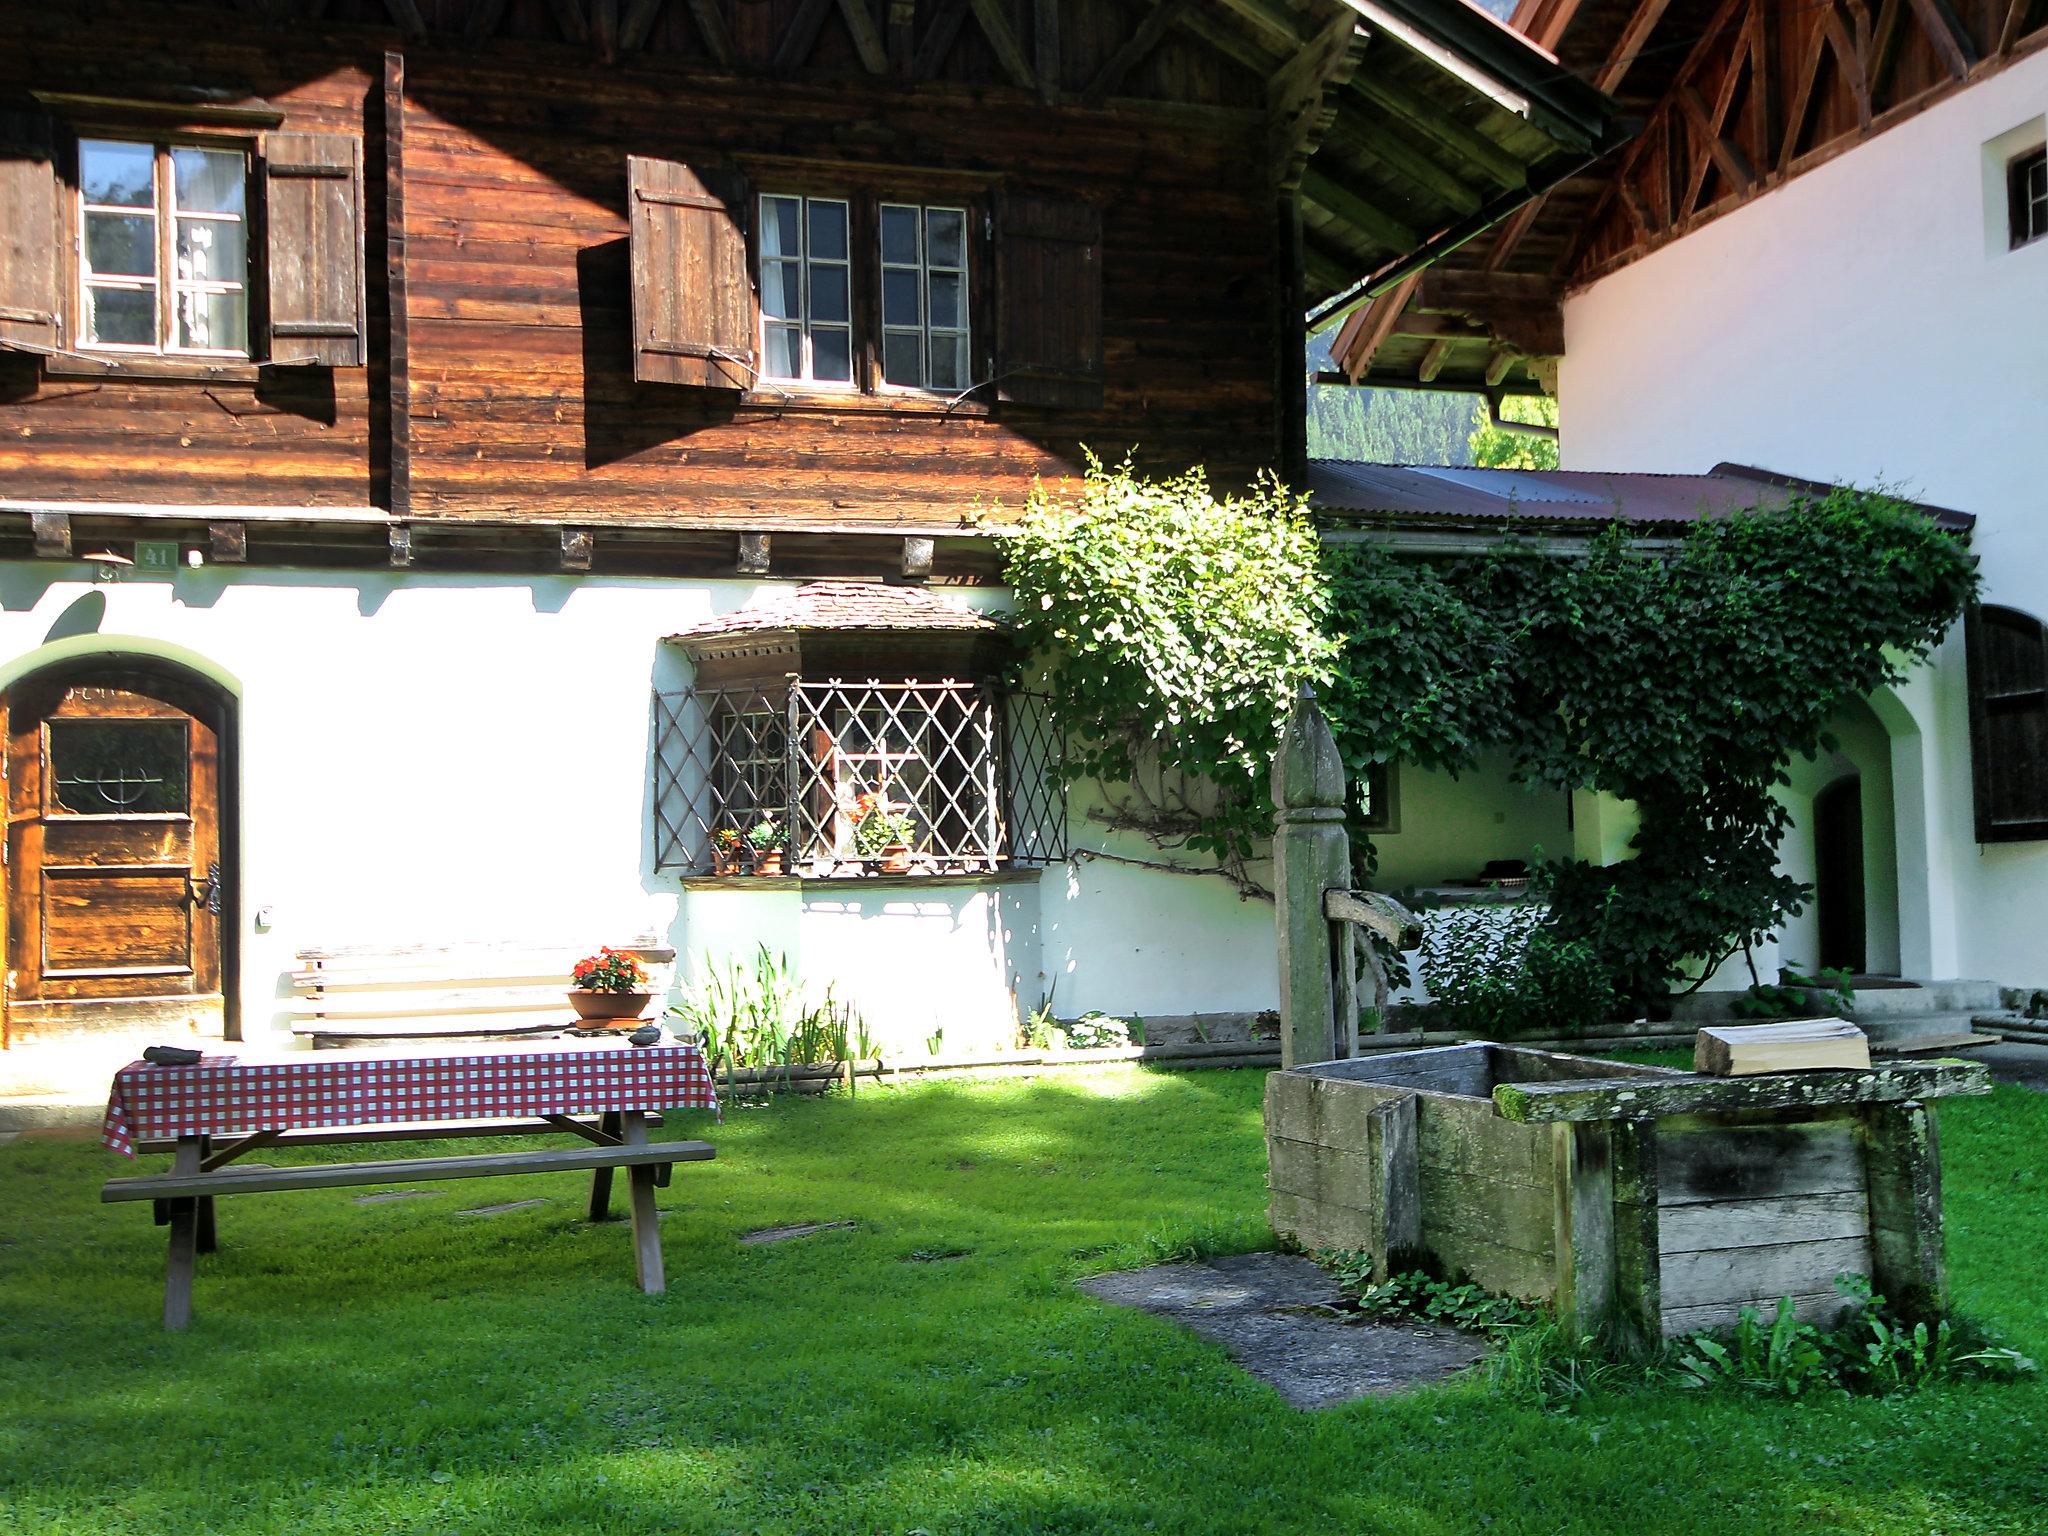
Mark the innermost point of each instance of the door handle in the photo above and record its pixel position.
(207, 892)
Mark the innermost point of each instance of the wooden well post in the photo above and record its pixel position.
(1311, 855)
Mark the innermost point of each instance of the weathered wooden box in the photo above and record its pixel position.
(1651, 1200)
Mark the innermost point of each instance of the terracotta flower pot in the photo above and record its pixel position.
(609, 1005)
(896, 859)
(767, 861)
(724, 863)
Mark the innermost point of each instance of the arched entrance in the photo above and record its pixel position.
(1838, 875)
(119, 832)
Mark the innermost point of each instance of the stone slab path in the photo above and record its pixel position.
(1261, 1307)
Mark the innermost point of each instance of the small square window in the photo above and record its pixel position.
(2026, 197)
(158, 217)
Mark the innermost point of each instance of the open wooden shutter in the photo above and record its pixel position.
(693, 310)
(28, 234)
(2008, 664)
(1049, 303)
(313, 202)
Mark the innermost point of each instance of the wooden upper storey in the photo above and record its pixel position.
(508, 258)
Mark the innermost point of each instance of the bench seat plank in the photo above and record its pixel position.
(416, 1130)
(231, 1180)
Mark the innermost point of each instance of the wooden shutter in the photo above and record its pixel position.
(2008, 665)
(1049, 303)
(693, 311)
(28, 234)
(313, 202)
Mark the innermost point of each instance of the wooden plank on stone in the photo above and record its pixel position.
(1762, 1273)
(1715, 1224)
(1395, 1189)
(1632, 1097)
(1823, 1309)
(1790, 1045)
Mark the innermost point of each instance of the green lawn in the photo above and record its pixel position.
(397, 1368)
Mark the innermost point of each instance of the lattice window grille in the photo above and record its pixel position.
(979, 771)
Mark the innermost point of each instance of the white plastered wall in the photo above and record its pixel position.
(1866, 322)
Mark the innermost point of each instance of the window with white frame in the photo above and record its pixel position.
(163, 248)
(2026, 197)
(924, 296)
(806, 289)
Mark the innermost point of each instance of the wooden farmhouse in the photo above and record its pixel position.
(469, 464)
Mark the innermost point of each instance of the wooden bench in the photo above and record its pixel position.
(185, 1195)
(448, 991)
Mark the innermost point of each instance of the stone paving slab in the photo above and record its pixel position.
(1261, 1307)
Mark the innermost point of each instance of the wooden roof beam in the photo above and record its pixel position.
(1950, 37)
(1375, 224)
(1134, 50)
(1367, 328)
(1301, 98)
(995, 26)
(1628, 47)
(1733, 163)
(1431, 122)
(1273, 26)
(2015, 24)
(1433, 360)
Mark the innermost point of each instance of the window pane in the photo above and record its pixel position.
(213, 321)
(208, 180)
(945, 234)
(828, 293)
(899, 235)
(123, 317)
(123, 174)
(832, 354)
(945, 300)
(949, 362)
(903, 359)
(213, 249)
(785, 353)
(899, 299)
(120, 244)
(782, 295)
(779, 228)
(112, 767)
(828, 231)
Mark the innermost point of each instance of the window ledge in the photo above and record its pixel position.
(79, 365)
(854, 403)
(860, 881)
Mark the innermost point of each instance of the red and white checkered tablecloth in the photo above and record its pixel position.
(224, 1095)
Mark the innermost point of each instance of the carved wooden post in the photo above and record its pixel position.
(1311, 855)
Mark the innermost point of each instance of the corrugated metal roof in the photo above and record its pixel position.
(1423, 493)
(855, 605)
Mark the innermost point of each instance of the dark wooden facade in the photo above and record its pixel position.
(517, 398)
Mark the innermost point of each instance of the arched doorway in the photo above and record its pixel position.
(119, 833)
(1838, 875)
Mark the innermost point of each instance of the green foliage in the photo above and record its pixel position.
(1389, 426)
(1414, 1295)
(1829, 993)
(1500, 448)
(1173, 626)
(1095, 1030)
(766, 835)
(1502, 972)
(758, 1014)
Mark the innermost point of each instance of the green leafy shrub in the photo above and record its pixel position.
(758, 1014)
(1794, 994)
(1095, 1030)
(1501, 972)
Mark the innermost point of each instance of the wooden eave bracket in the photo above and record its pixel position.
(229, 542)
(917, 557)
(753, 554)
(399, 536)
(52, 532)
(1301, 99)
(579, 545)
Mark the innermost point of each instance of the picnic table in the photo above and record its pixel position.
(601, 1093)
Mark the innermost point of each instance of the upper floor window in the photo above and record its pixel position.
(163, 248)
(2026, 197)
(806, 290)
(924, 297)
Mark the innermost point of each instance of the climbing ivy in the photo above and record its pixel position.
(1173, 626)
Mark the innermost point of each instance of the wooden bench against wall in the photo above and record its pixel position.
(448, 991)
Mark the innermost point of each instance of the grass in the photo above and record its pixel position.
(398, 1368)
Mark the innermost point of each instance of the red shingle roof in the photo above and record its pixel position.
(842, 605)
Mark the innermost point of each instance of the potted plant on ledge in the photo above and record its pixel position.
(882, 832)
(609, 986)
(768, 840)
(727, 849)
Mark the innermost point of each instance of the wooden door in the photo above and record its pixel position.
(1838, 875)
(114, 872)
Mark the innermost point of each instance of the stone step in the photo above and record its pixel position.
(1924, 998)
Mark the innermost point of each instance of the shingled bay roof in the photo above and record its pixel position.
(1404, 493)
(842, 605)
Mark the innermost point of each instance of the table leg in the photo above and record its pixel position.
(601, 1178)
(184, 1239)
(208, 1239)
(646, 1225)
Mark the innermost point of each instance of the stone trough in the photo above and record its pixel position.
(1650, 1200)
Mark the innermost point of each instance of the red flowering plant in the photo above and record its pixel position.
(879, 822)
(609, 971)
